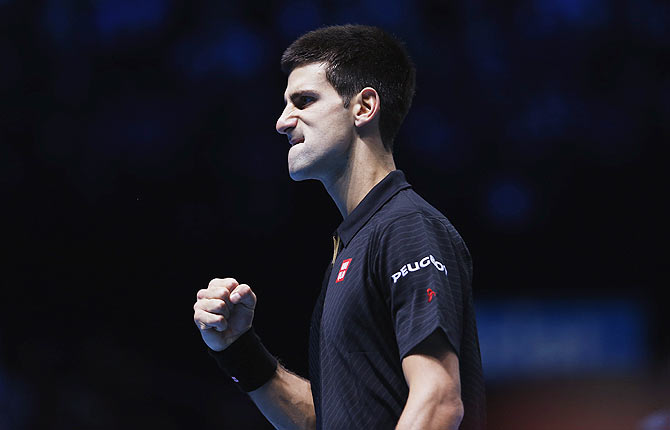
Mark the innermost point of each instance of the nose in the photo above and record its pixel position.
(286, 121)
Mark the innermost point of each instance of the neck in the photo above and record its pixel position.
(368, 164)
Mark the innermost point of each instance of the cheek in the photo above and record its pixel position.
(329, 125)
(339, 124)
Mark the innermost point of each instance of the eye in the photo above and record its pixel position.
(303, 101)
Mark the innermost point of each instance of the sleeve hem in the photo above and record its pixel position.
(405, 350)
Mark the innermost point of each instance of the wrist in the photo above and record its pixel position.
(247, 361)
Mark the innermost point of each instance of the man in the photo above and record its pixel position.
(393, 340)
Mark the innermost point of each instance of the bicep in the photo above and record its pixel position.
(432, 367)
(431, 371)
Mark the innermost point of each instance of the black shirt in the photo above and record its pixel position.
(401, 273)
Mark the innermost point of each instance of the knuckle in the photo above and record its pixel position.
(212, 306)
(215, 293)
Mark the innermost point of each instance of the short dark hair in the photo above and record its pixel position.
(359, 56)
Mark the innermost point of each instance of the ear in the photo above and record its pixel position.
(366, 106)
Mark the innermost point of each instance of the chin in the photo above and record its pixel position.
(308, 165)
(300, 169)
(298, 174)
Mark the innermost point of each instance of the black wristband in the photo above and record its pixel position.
(247, 361)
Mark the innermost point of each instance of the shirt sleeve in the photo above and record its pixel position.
(421, 271)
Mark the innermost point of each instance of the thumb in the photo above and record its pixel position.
(242, 295)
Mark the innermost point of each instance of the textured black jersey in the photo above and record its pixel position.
(402, 272)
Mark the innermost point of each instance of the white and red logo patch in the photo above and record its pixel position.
(343, 270)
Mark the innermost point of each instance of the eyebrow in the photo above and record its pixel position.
(296, 95)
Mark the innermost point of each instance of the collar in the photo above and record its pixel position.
(371, 203)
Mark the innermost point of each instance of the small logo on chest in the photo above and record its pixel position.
(343, 270)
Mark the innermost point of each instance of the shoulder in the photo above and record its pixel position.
(408, 220)
(409, 210)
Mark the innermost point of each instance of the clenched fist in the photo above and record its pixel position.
(223, 312)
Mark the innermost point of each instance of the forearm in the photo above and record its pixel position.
(286, 401)
(425, 411)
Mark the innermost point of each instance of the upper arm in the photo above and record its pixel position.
(431, 370)
(420, 275)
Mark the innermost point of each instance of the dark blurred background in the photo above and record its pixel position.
(138, 160)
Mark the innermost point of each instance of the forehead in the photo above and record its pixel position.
(307, 77)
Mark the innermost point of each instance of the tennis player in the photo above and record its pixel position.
(393, 341)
